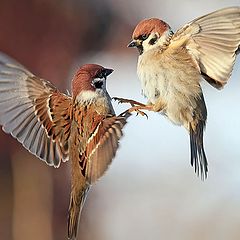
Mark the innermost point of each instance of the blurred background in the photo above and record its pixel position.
(150, 190)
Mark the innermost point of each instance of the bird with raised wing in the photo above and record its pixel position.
(171, 66)
(55, 127)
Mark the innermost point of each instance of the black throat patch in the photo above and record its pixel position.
(140, 49)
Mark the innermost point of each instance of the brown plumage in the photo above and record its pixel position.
(56, 127)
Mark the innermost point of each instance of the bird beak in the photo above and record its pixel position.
(107, 72)
(136, 43)
(133, 43)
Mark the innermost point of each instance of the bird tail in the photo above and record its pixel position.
(74, 212)
(198, 156)
(196, 129)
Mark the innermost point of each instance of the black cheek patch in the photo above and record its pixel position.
(98, 84)
(140, 49)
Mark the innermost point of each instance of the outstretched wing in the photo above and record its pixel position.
(213, 40)
(102, 145)
(97, 140)
(34, 112)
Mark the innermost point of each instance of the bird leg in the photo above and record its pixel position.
(158, 106)
(136, 106)
(130, 101)
(135, 109)
(138, 109)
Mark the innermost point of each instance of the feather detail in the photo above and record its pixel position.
(34, 112)
(196, 129)
(213, 41)
(98, 138)
(92, 145)
(75, 209)
(102, 146)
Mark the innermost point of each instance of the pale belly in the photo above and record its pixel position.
(176, 85)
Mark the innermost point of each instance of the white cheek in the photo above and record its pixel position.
(146, 45)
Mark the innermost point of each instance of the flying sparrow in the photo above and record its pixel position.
(55, 127)
(171, 65)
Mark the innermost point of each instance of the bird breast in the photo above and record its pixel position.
(171, 77)
(100, 103)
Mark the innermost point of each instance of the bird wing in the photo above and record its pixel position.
(213, 41)
(34, 112)
(102, 145)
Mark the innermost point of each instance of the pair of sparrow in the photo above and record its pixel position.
(84, 129)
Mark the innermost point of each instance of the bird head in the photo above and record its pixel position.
(150, 33)
(90, 80)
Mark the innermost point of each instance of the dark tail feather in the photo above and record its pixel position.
(74, 212)
(198, 156)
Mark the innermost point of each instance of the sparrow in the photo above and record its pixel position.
(171, 66)
(56, 127)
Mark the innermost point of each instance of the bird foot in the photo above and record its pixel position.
(138, 111)
(136, 106)
(130, 101)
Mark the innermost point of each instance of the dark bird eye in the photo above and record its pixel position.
(100, 75)
(144, 36)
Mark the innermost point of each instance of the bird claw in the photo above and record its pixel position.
(136, 106)
(120, 100)
(141, 113)
(124, 100)
(138, 111)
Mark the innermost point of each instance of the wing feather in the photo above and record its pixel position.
(213, 40)
(28, 109)
(103, 145)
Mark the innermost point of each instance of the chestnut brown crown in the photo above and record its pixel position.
(148, 26)
(89, 77)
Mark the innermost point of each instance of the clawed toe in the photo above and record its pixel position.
(120, 100)
(135, 106)
(130, 101)
(141, 113)
(138, 111)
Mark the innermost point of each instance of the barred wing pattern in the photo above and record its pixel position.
(34, 112)
(97, 138)
(213, 40)
(102, 146)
